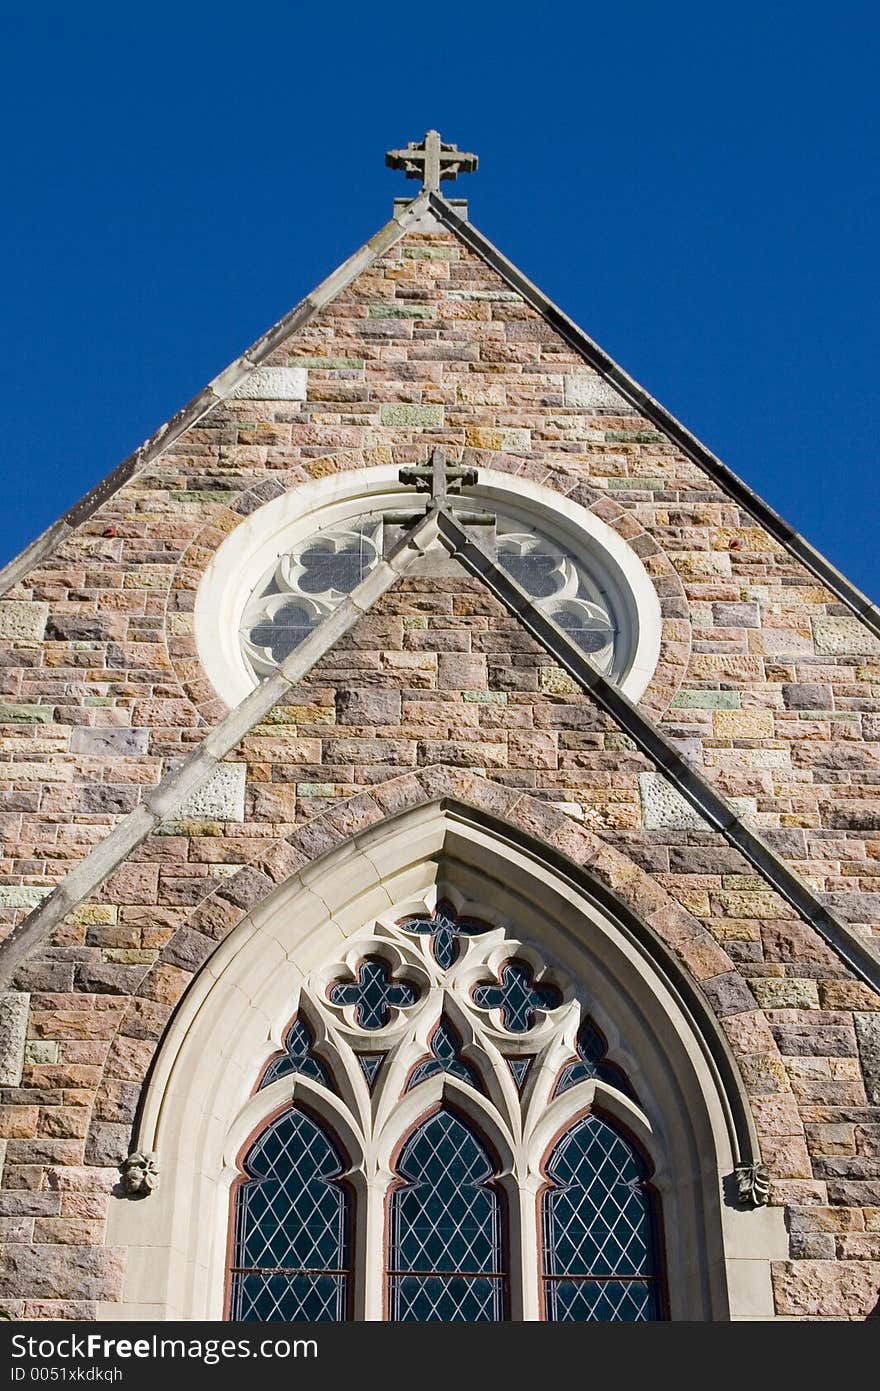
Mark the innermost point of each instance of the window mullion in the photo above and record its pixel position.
(371, 1258)
(526, 1272)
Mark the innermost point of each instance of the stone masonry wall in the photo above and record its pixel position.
(772, 683)
(764, 680)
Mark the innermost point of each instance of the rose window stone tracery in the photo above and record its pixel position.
(306, 582)
(303, 586)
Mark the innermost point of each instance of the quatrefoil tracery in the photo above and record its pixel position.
(332, 563)
(561, 586)
(373, 994)
(304, 586)
(443, 927)
(498, 1021)
(517, 996)
(541, 569)
(282, 623)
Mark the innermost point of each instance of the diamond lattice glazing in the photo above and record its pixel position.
(592, 1062)
(297, 1058)
(601, 1301)
(291, 1226)
(598, 1228)
(373, 993)
(445, 1049)
(447, 1257)
(517, 996)
(444, 925)
(446, 1254)
(519, 1069)
(371, 1066)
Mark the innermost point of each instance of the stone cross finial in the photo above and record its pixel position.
(431, 161)
(439, 478)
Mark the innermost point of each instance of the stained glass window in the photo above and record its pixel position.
(592, 1062)
(292, 1227)
(599, 1230)
(373, 993)
(447, 1258)
(303, 586)
(561, 585)
(517, 996)
(587, 625)
(445, 1057)
(519, 1070)
(371, 1066)
(283, 626)
(298, 1057)
(444, 926)
(335, 564)
(308, 580)
(408, 1001)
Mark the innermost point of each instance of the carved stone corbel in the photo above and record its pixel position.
(140, 1174)
(752, 1184)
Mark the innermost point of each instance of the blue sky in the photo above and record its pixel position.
(695, 185)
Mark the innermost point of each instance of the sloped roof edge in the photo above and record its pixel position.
(654, 744)
(161, 801)
(796, 544)
(217, 390)
(222, 385)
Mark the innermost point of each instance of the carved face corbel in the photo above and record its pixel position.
(140, 1174)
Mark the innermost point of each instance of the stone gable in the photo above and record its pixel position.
(766, 682)
(771, 683)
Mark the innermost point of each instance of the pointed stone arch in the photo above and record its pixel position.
(587, 905)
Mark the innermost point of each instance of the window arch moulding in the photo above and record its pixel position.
(203, 1105)
(286, 565)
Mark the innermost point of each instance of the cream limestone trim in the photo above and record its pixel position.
(435, 528)
(199, 1106)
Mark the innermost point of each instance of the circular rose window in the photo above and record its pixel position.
(290, 563)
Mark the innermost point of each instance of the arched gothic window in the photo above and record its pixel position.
(479, 1101)
(446, 1256)
(598, 1229)
(292, 1219)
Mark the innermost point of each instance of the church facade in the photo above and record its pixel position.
(440, 821)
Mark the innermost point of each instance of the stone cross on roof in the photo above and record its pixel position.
(439, 478)
(431, 161)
